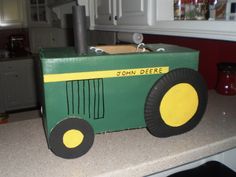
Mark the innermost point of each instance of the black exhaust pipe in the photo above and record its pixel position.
(80, 31)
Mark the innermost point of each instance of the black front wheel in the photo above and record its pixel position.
(176, 103)
(71, 138)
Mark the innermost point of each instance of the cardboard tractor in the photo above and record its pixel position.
(119, 87)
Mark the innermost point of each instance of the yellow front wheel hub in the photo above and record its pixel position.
(179, 104)
(73, 138)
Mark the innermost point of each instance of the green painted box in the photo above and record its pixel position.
(158, 88)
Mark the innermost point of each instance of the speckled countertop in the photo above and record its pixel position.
(24, 152)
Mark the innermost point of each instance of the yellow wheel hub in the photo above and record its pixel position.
(72, 138)
(179, 104)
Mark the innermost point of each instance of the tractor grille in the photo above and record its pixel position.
(85, 98)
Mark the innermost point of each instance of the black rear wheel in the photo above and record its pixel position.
(176, 103)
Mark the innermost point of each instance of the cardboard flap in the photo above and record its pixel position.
(118, 49)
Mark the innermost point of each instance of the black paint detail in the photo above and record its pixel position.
(89, 107)
(85, 98)
(94, 100)
(103, 100)
(98, 89)
(153, 119)
(67, 99)
(78, 98)
(56, 138)
(72, 97)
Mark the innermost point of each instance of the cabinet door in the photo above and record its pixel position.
(47, 37)
(19, 84)
(14, 87)
(11, 12)
(38, 13)
(164, 10)
(135, 12)
(2, 101)
(104, 12)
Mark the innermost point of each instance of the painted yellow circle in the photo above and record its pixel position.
(72, 138)
(179, 104)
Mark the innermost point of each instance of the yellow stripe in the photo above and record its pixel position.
(105, 74)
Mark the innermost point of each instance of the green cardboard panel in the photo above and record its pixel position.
(107, 90)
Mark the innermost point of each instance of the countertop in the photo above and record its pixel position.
(132, 153)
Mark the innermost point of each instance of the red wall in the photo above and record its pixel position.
(211, 53)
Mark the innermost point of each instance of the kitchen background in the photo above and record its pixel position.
(28, 25)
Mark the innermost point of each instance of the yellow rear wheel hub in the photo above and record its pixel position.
(73, 138)
(179, 104)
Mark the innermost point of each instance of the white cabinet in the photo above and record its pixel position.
(228, 158)
(123, 12)
(105, 12)
(42, 37)
(163, 10)
(17, 78)
(12, 13)
(134, 12)
(154, 17)
(53, 3)
(38, 13)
